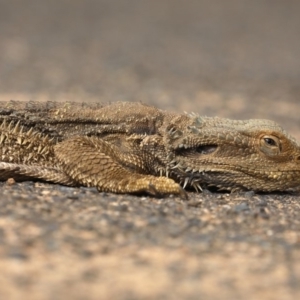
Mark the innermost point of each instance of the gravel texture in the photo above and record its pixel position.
(234, 58)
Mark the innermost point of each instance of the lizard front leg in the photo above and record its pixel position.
(90, 161)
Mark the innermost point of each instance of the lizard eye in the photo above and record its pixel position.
(270, 145)
(270, 141)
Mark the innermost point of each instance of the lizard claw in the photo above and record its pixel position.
(183, 194)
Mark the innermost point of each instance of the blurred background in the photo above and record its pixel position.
(233, 58)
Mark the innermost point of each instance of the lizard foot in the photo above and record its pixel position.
(158, 187)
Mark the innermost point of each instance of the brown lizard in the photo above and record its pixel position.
(135, 148)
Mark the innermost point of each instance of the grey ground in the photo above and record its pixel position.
(237, 59)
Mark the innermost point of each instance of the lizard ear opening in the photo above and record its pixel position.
(206, 149)
(203, 150)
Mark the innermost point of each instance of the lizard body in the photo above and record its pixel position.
(134, 148)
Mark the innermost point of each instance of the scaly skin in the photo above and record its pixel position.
(135, 148)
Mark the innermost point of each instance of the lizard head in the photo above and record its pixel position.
(232, 155)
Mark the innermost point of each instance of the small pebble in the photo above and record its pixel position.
(10, 181)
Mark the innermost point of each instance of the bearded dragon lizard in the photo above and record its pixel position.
(135, 148)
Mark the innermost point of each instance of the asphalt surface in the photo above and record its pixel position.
(237, 59)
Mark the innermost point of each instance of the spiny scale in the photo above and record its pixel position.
(19, 146)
